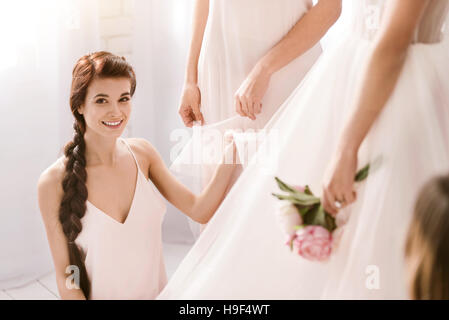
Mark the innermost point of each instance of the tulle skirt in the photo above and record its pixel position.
(241, 254)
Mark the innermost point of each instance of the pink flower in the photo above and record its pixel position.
(313, 243)
(300, 188)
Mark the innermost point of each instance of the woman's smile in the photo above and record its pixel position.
(113, 124)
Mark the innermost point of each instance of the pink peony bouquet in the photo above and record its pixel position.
(310, 230)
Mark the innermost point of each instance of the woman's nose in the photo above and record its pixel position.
(115, 109)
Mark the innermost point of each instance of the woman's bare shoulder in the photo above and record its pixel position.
(141, 145)
(49, 188)
(54, 173)
(144, 151)
(143, 148)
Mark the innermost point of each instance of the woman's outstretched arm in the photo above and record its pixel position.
(199, 208)
(378, 82)
(302, 36)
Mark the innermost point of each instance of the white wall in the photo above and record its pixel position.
(37, 121)
(117, 26)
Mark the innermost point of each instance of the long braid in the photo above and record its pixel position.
(73, 203)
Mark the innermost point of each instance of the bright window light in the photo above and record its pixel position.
(20, 23)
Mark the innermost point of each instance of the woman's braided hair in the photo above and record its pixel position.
(73, 204)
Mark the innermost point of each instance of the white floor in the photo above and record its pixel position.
(45, 288)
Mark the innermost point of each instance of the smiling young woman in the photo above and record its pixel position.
(101, 212)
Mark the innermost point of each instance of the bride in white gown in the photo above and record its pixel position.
(245, 52)
(241, 254)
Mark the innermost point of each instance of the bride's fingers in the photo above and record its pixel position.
(197, 113)
(340, 201)
(238, 106)
(244, 107)
(257, 107)
(201, 118)
(186, 116)
(349, 198)
(329, 202)
(250, 106)
(190, 118)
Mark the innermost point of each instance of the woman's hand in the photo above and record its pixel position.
(248, 98)
(230, 149)
(338, 189)
(189, 110)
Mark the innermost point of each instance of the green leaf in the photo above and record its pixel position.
(302, 209)
(296, 196)
(320, 218)
(317, 216)
(303, 200)
(330, 222)
(309, 218)
(362, 174)
(285, 187)
(308, 191)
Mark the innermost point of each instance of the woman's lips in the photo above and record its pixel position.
(112, 124)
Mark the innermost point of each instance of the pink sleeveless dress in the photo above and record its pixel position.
(125, 260)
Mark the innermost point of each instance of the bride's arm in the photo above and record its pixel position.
(302, 36)
(189, 108)
(200, 17)
(384, 67)
(378, 82)
(200, 207)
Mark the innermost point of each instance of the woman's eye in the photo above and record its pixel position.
(124, 99)
(101, 101)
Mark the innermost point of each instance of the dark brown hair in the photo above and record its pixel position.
(427, 246)
(73, 204)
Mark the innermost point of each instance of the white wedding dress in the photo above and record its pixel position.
(241, 254)
(237, 35)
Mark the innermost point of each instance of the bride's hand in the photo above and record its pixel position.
(189, 110)
(338, 188)
(248, 98)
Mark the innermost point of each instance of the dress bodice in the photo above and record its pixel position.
(254, 22)
(125, 260)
